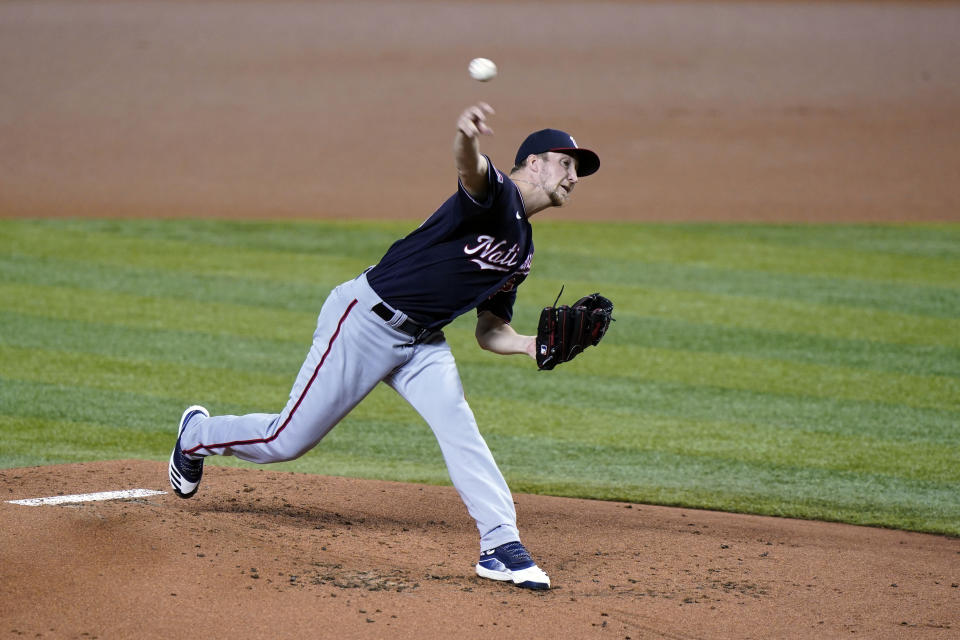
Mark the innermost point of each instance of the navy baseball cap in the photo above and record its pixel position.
(562, 142)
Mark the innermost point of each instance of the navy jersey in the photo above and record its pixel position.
(467, 254)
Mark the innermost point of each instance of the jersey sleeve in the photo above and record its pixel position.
(494, 188)
(499, 304)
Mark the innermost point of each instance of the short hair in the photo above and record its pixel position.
(517, 167)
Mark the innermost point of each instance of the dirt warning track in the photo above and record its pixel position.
(764, 111)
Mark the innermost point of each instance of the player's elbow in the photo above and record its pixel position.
(484, 339)
(489, 330)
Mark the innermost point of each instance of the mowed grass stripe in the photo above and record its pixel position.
(668, 333)
(740, 248)
(158, 312)
(159, 399)
(662, 333)
(67, 440)
(641, 471)
(149, 312)
(916, 239)
(737, 371)
(180, 255)
(769, 314)
(186, 348)
(912, 298)
(725, 310)
(750, 442)
(827, 415)
(45, 423)
(626, 473)
(315, 237)
(148, 377)
(710, 310)
(332, 258)
(801, 250)
(733, 371)
(71, 274)
(762, 375)
(22, 399)
(777, 492)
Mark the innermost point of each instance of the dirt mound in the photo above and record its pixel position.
(259, 553)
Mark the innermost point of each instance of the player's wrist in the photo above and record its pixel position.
(530, 346)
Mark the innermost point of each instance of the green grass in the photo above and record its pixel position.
(803, 371)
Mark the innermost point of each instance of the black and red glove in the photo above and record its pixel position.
(563, 332)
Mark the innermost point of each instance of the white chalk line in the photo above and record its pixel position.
(88, 497)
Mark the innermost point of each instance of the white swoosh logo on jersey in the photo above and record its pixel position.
(487, 265)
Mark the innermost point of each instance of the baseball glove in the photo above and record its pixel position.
(564, 331)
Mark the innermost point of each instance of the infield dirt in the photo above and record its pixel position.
(774, 112)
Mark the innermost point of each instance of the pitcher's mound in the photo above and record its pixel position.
(264, 554)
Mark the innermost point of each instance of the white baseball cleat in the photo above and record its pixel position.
(185, 474)
(511, 562)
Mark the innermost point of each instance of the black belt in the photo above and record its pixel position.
(408, 326)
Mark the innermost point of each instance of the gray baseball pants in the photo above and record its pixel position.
(353, 350)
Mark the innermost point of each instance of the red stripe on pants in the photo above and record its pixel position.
(306, 389)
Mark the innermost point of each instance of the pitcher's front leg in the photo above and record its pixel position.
(431, 384)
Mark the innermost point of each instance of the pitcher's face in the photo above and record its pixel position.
(558, 176)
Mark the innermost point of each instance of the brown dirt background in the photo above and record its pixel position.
(773, 112)
(766, 111)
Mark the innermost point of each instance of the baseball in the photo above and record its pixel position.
(482, 69)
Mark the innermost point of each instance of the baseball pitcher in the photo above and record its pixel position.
(386, 325)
